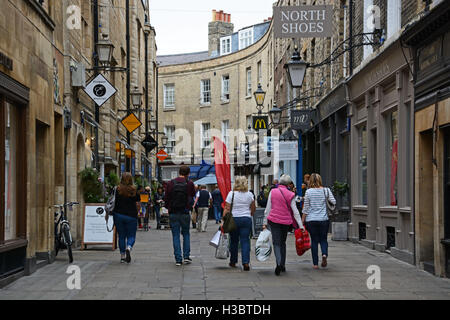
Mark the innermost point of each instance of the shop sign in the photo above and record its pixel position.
(303, 21)
(6, 62)
(288, 150)
(260, 123)
(131, 122)
(335, 101)
(100, 90)
(301, 120)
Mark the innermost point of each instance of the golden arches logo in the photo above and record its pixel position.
(261, 123)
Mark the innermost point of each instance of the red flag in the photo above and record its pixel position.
(222, 164)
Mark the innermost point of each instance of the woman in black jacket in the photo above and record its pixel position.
(125, 215)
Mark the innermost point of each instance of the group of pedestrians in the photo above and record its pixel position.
(281, 214)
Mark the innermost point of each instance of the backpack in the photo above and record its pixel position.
(179, 195)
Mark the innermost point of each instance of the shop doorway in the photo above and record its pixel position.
(425, 208)
(42, 189)
(446, 240)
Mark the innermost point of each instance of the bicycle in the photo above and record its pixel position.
(63, 238)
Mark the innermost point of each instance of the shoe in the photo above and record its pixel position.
(122, 258)
(178, 263)
(158, 227)
(187, 260)
(128, 255)
(324, 261)
(246, 267)
(278, 270)
(315, 267)
(233, 265)
(283, 268)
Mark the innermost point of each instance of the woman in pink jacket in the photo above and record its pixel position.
(281, 212)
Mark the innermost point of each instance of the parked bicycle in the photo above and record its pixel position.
(63, 238)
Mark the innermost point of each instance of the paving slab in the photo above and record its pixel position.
(153, 275)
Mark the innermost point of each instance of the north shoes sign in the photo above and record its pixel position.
(303, 21)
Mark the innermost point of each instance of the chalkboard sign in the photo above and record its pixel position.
(258, 221)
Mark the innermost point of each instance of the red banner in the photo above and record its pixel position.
(222, 164)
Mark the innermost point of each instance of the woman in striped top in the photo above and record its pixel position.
(316, 217)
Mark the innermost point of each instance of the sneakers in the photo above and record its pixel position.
(246, 267)
(187, 260)
(122, 258)
(128, 255)
(178, 263)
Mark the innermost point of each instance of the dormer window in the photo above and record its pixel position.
(245, 38)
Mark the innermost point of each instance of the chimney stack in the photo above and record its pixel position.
(220, 26)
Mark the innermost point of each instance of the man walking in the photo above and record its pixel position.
(217, 203)
(178, 193)
(203, 198)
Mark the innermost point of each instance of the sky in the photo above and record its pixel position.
(182, 25)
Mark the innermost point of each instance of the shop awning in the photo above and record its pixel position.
(201, 171)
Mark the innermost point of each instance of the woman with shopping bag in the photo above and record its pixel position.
(315, 214)
(240, 204)
(281, 212)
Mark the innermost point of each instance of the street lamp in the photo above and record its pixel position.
(153, 124)
(275, 115)
(136, 97)
(296, 69)
(104, 50)
(260, 95)
(164, 141)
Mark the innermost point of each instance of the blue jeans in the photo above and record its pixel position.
(126, 228)
(180, 224)
(218, 212)
(242, 234)
(318, 231)
(158, 214)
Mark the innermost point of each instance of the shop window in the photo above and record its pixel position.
(362, 170)
(391, 158)
(11, 150)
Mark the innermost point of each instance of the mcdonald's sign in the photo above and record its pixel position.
(260, 122)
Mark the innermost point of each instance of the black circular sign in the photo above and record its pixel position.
(100, 211)
(99, 90)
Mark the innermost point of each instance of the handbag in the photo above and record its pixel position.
(228, 221)
(330, 206)
(109, 208)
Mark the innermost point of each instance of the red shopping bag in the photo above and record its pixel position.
(302, 241)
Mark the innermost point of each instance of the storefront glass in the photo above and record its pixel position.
(362, 174)
(392, 158)
(11, 142)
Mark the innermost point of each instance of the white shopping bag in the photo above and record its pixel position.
(222, 251)
(263, 247)
(215, 240)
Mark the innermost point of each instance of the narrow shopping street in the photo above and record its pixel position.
(153, 275)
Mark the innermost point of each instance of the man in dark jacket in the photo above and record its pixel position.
(217, 203)
(203, 200)
(178, 193)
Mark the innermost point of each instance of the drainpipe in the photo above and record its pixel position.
(350, 8)
(127, 18)
(97, 108)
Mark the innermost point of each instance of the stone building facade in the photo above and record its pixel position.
(201, 97)
(46, 48)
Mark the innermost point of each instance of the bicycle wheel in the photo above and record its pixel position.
(68, 242)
